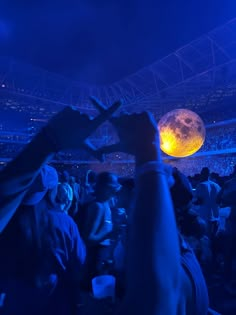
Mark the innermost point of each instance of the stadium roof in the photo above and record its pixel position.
(197, 76)
(200, 76)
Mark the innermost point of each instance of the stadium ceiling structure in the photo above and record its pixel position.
(195, 76)
(200, 76)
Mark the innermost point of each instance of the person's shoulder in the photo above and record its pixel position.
(61, 218)
(65, 224)
(97, 209)
(214, 184)
(201, 186)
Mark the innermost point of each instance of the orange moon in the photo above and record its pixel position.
(182, 133)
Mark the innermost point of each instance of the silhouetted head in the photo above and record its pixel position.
(44, 187)
(205, 173)
(65, 177)
(181, 190)
(107, 186)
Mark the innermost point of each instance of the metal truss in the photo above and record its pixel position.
(200, 76)
(195, 69)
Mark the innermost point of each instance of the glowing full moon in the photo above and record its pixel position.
(182, 133)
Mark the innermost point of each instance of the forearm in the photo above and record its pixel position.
(19, 174)
(154, 261)
(101, 236)
(33, 156)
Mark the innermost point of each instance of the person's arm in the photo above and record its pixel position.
(95, 233)
(68, 129)
(153, 267)
(154, 258)
(17, 177)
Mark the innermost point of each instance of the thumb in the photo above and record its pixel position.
(106, 114)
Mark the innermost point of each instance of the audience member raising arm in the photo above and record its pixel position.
(69, 129)
(154, 260)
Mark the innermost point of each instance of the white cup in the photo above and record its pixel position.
(104, 286)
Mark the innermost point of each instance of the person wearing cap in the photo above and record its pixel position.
(153, 263)
(41, 249)
(42, 253)
(98, 224)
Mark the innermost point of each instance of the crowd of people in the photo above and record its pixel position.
(158, 235)
(192, 166)
(220, 139)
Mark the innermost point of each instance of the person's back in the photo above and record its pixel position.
(207, 192)
(98, 226)
(66, 130)
(95, 223)
(227, 197)
(71, 250)
(193, 299)
(43, 255)
(194, 294)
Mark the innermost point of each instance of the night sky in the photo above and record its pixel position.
(103, 41)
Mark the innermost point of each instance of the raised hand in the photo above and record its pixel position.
(70, 129)
(138, 134)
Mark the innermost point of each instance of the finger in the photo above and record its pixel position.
(107, 114)
(98, 104)
(103, 108)
(89, 147)
(113, 108)
(111, 148)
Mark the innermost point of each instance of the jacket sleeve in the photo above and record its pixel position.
(17, 177)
